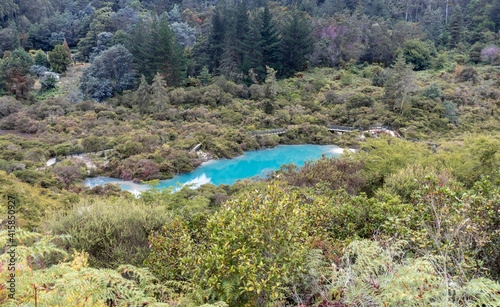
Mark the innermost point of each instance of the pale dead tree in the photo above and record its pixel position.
(400, 84)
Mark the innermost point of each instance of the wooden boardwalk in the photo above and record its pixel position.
(267, 132)
(340, 128)
(281, 131)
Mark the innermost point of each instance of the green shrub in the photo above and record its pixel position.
(347, 79)
(380, 77)
(62, 149)
(441, 62)
(433, 91)
(129, 148)
(113, 232)
(379, 273)
(409, 179)
(33, 203)
(71, 281)
(335, 173)
(94, 143)
(250, 251)
(360, 100)
(468, 73)
(332, 98)
(417, 53)
(450, 111)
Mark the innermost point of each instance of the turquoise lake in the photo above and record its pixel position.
(228, 171)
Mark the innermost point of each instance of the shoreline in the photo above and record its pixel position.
(135, 187)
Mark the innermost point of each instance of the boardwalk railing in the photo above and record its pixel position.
(267, 132)
(379, 128)
(340, 128)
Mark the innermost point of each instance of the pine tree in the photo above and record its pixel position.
(138, 44)
(59, 59)
(456, 26)
(269, 41)
(204, 76)
(494, 14)
(216, 39)
(253, 59)
(159, 95)
(243, 30)
(296, 43)
(168, 55)
(230, 62)
(199, 56)
(143, 96)
(263, 47)
(68, 51)
(14, 73)
(400, 84)
(155, 50)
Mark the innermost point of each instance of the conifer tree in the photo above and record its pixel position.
(456, 26)
(14, 73)
(155, 50)
(252, 59)
(400, 84)
(138, 44)
(143, 96)
(199, 56)
(159, 95)
(216, 39)
(261, 45)
(204, 76)
(296, 43)
(230, 61)
(66, 46)
(243, 29)
(168, 55)
(269, 41)
(494, 14)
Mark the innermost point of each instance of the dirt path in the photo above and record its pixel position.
(18, 133)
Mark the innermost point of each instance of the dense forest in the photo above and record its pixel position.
(127, 89)
(187, 42)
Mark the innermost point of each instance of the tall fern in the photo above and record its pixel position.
(73, 283)
(375, 275)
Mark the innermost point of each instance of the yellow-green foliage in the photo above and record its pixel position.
(375, 273)
(250, 250)
(407, 180)
(73, 283)
(253, 249)
(32, 203)
(384, 156)
(113, 231)
(468, 160)
(464, 160)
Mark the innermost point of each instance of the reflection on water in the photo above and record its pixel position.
(196, 182)
(228, 171)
